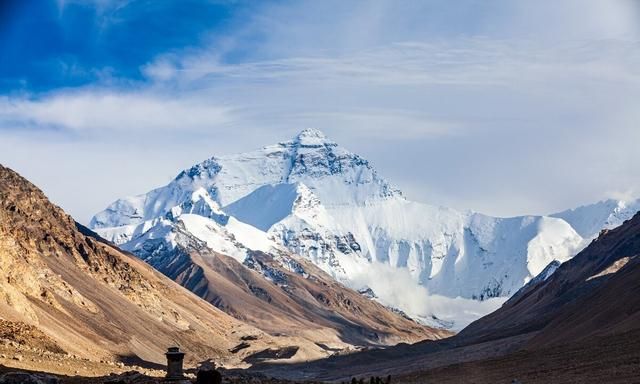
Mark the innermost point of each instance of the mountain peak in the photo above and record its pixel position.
(311, 133)
(311, 137)
(335, 175)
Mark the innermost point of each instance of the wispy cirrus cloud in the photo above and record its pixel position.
(503, 107)
(103, 113)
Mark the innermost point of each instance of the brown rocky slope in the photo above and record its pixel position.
(68, 292)
(298, 300)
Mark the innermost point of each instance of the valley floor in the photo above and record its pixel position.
(611, 360)
(69, 368)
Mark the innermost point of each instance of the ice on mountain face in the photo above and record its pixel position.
(188, 186)
(265, 206)
(256, 262)
(167, 242)
(294, 217)
(163, 235)
(458, 255)
(589, 220)
(403, 234)
(201, 218)
(325, 203)
(213, 235)
(312, 137)
(335, 175)
(367, 292)
(200, 204)
(555, 240)
(548, 271)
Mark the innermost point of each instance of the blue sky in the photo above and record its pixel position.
(52, 44)
(506, 107)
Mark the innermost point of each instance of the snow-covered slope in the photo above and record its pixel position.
(294, 216)
(589, 220)
(323, 202)
(337, 176)
(200, 217)
(459, 254)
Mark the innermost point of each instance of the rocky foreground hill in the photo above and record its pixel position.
(71, 303)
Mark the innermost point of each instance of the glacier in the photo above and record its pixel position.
(317, 200)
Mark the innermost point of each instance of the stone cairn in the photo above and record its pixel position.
(207, 374)
(175, 360)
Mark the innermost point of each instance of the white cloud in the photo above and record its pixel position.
(474, 107)
(95, 111)
(396, 287)
(160, 70)
(575, 19)
(334, 27)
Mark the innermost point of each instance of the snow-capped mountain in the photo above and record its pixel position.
(321, 201)
(589, 220)
(335, 175)
(243, 271)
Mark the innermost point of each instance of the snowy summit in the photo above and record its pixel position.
(312, 137)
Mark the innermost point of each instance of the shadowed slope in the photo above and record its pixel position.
(595, 293)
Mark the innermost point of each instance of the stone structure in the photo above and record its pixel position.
(174, 364)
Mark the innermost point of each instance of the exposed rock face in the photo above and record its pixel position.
(63, 289)
(27, 335)
(281, 294)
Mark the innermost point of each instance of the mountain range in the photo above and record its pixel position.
(290, 286)
(311, 197)
(580, 324)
